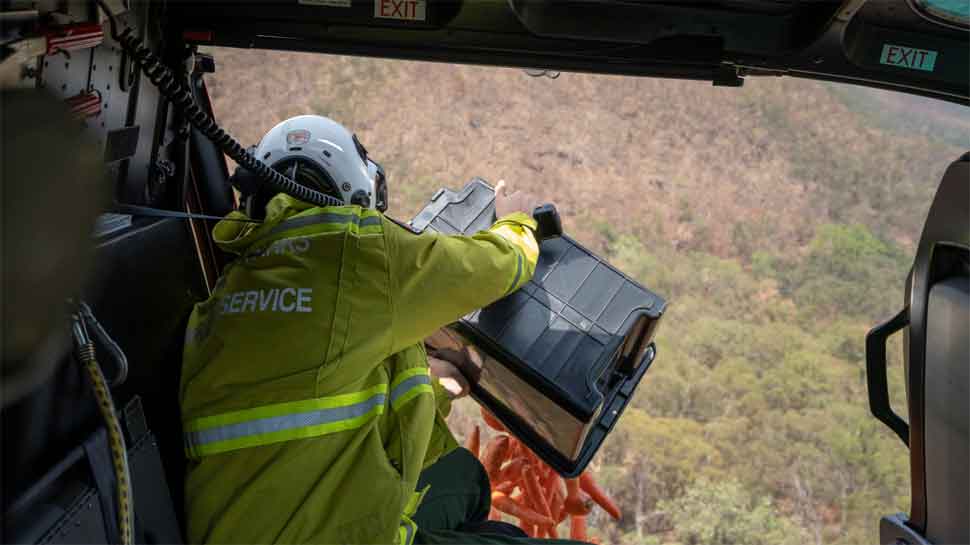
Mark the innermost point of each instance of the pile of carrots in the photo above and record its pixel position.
(524, 487)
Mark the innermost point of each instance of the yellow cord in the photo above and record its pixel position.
(116, 441)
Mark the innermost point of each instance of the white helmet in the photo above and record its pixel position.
(322, 154)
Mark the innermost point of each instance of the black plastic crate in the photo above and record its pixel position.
(558, 360)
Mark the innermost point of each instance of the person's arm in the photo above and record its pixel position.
(436, 279)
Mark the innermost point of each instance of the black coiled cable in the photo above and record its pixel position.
(173, 89)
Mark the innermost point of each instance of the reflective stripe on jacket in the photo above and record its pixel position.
(307, 404)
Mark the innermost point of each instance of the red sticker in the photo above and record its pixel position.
(298, 137)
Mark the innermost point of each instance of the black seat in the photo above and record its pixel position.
(936, 318)
(147, 282)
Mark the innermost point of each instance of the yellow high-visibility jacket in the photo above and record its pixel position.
(307, 405)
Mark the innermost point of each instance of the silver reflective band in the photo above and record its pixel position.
(407, 384)
(282, 423)
(371, 220)
(518, 271)
(326, 217)
(408, 532)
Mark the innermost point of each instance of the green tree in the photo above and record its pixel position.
(726, 513)
(848, 271)
(648, 459)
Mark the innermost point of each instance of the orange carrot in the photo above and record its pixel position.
(506, 504)
(513, 470)
(505, 487)
(563, 515)
(572, 488)
(520, 451)
(556, 504)
(474, 441)
(535, 491)
(546, 475)
(588, 485)
(552, 481)
(515, 451)
(577, 528)
(580, 505)
(533, 459)
(491, 420)
(523, 499)
(494, 456)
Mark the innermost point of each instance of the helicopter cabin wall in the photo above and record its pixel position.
(57, 477)
(118, 108)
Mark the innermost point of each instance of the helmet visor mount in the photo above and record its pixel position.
(380, 185)
(376, 173)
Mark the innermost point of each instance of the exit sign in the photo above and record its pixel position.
(403, 10)
(908, 57)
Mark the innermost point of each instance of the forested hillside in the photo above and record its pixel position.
(779, 220)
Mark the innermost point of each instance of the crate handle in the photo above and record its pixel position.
(548, 220)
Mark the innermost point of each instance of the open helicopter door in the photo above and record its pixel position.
(936, 318)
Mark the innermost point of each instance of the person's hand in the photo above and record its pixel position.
(508, 200)
(449, 377)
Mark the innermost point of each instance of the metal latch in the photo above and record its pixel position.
(165, 167)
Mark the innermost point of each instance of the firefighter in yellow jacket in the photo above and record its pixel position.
(308, 408)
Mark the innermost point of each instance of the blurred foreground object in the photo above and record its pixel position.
(53, 188)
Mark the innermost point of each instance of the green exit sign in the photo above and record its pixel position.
(908, 57)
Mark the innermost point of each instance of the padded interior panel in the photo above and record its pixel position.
(947, 225)
(156, 521)
(149, 279)
(73, 504)
(947, 409)
(43, 427)
(82, 522)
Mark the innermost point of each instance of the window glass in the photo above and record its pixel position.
(952, 11)
(779, 220)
